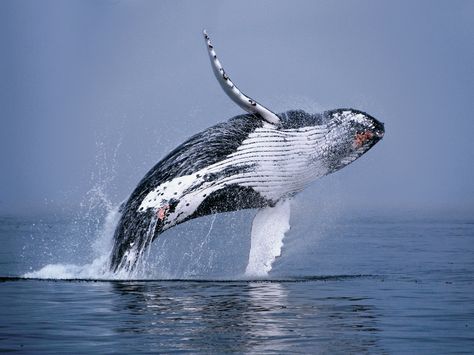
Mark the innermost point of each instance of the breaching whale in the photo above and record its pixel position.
(253, 160)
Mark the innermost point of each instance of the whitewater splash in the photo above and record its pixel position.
(98, 268)
(268, 230)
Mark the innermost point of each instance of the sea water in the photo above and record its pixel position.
(377, 283)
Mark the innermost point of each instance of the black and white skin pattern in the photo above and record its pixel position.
(253, 160)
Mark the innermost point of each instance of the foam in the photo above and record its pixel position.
(96, 270)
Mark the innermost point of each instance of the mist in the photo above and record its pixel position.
(95, 93)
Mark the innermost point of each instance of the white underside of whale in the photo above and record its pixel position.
(283, 163)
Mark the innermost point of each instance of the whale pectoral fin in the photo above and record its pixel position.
(268, 230)
(245, 102)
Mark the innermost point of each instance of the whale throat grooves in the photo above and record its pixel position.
(243, 163)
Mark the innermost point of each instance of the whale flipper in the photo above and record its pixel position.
(268, 230)
(245, 102)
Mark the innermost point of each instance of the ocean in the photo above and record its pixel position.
(366, 283)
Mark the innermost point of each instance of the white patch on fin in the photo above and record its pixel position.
(245, 102)
(268, 230)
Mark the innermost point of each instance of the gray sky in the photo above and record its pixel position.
(95, 93)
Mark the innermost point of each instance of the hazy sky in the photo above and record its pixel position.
(96, 92)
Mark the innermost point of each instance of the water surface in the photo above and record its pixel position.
(377, 285)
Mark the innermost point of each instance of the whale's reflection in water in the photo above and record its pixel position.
(245, 316)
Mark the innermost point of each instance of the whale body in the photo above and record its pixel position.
(251, 161)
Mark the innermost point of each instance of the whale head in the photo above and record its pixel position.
(350, 134)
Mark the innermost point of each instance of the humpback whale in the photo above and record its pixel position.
(254, 160)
